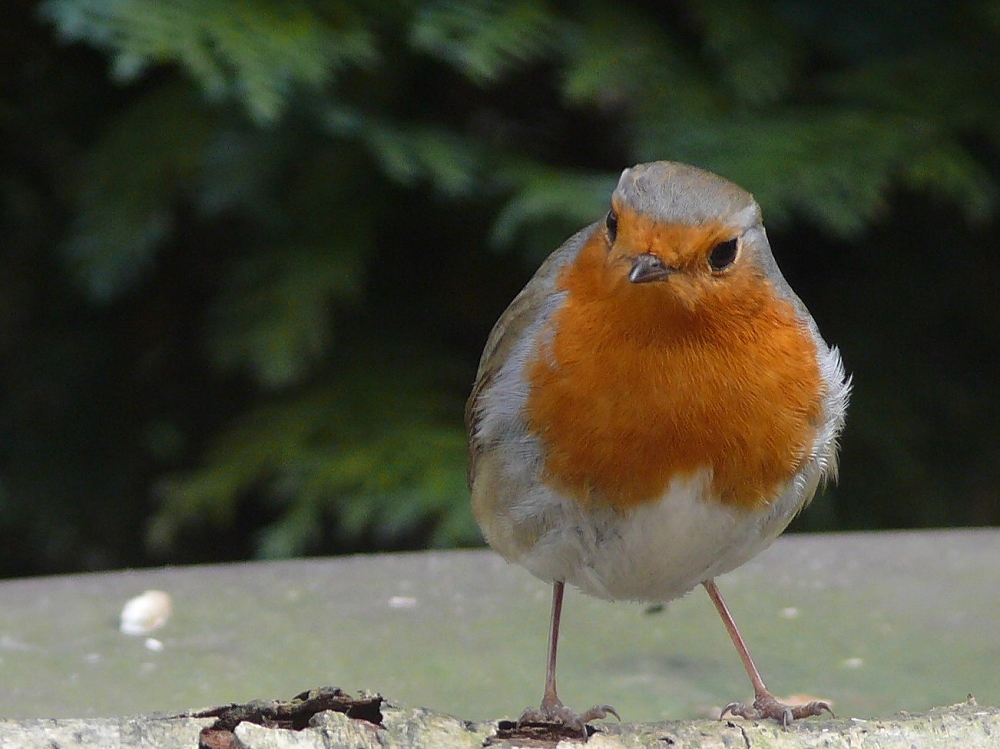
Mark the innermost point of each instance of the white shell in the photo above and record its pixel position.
(145, 613)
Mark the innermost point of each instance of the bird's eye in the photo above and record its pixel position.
(612, 223)
(723, 254)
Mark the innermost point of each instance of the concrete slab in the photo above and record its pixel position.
(874, 622)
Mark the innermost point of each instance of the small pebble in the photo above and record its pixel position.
(402, 602)
(145, 613)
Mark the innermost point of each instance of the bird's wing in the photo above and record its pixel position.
(524, 315)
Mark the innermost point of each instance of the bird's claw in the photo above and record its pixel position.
(767, 707)
(560, 715)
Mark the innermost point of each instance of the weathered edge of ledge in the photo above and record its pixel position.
(394, 726)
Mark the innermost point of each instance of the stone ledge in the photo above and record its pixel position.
(393, 726)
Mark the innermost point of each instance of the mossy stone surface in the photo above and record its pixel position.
(873, 622)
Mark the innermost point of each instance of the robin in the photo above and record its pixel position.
(653, 409)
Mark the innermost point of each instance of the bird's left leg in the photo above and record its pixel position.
(764, 705)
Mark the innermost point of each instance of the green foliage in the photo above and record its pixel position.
(484, 39)
(272, 318)
(279, 191)
(381, 443)
(856, 159)
(416, 155)
(258, 50)
(571, 200)
(759, 73)
(125, 210)
(747, 102)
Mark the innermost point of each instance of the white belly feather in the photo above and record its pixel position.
(660, 550)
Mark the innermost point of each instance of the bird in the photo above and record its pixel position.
(652, 410)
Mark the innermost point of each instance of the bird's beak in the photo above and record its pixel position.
(647, 267)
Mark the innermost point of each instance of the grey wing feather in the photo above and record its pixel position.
(524, 316)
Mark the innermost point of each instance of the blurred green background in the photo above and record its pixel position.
(250, 249)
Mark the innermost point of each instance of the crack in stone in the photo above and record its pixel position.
(294, 714)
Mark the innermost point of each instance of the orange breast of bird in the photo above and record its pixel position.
(635, 385)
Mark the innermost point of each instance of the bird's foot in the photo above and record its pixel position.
(766, 706)
(555, 713)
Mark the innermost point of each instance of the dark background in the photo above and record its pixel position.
(250, 251)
